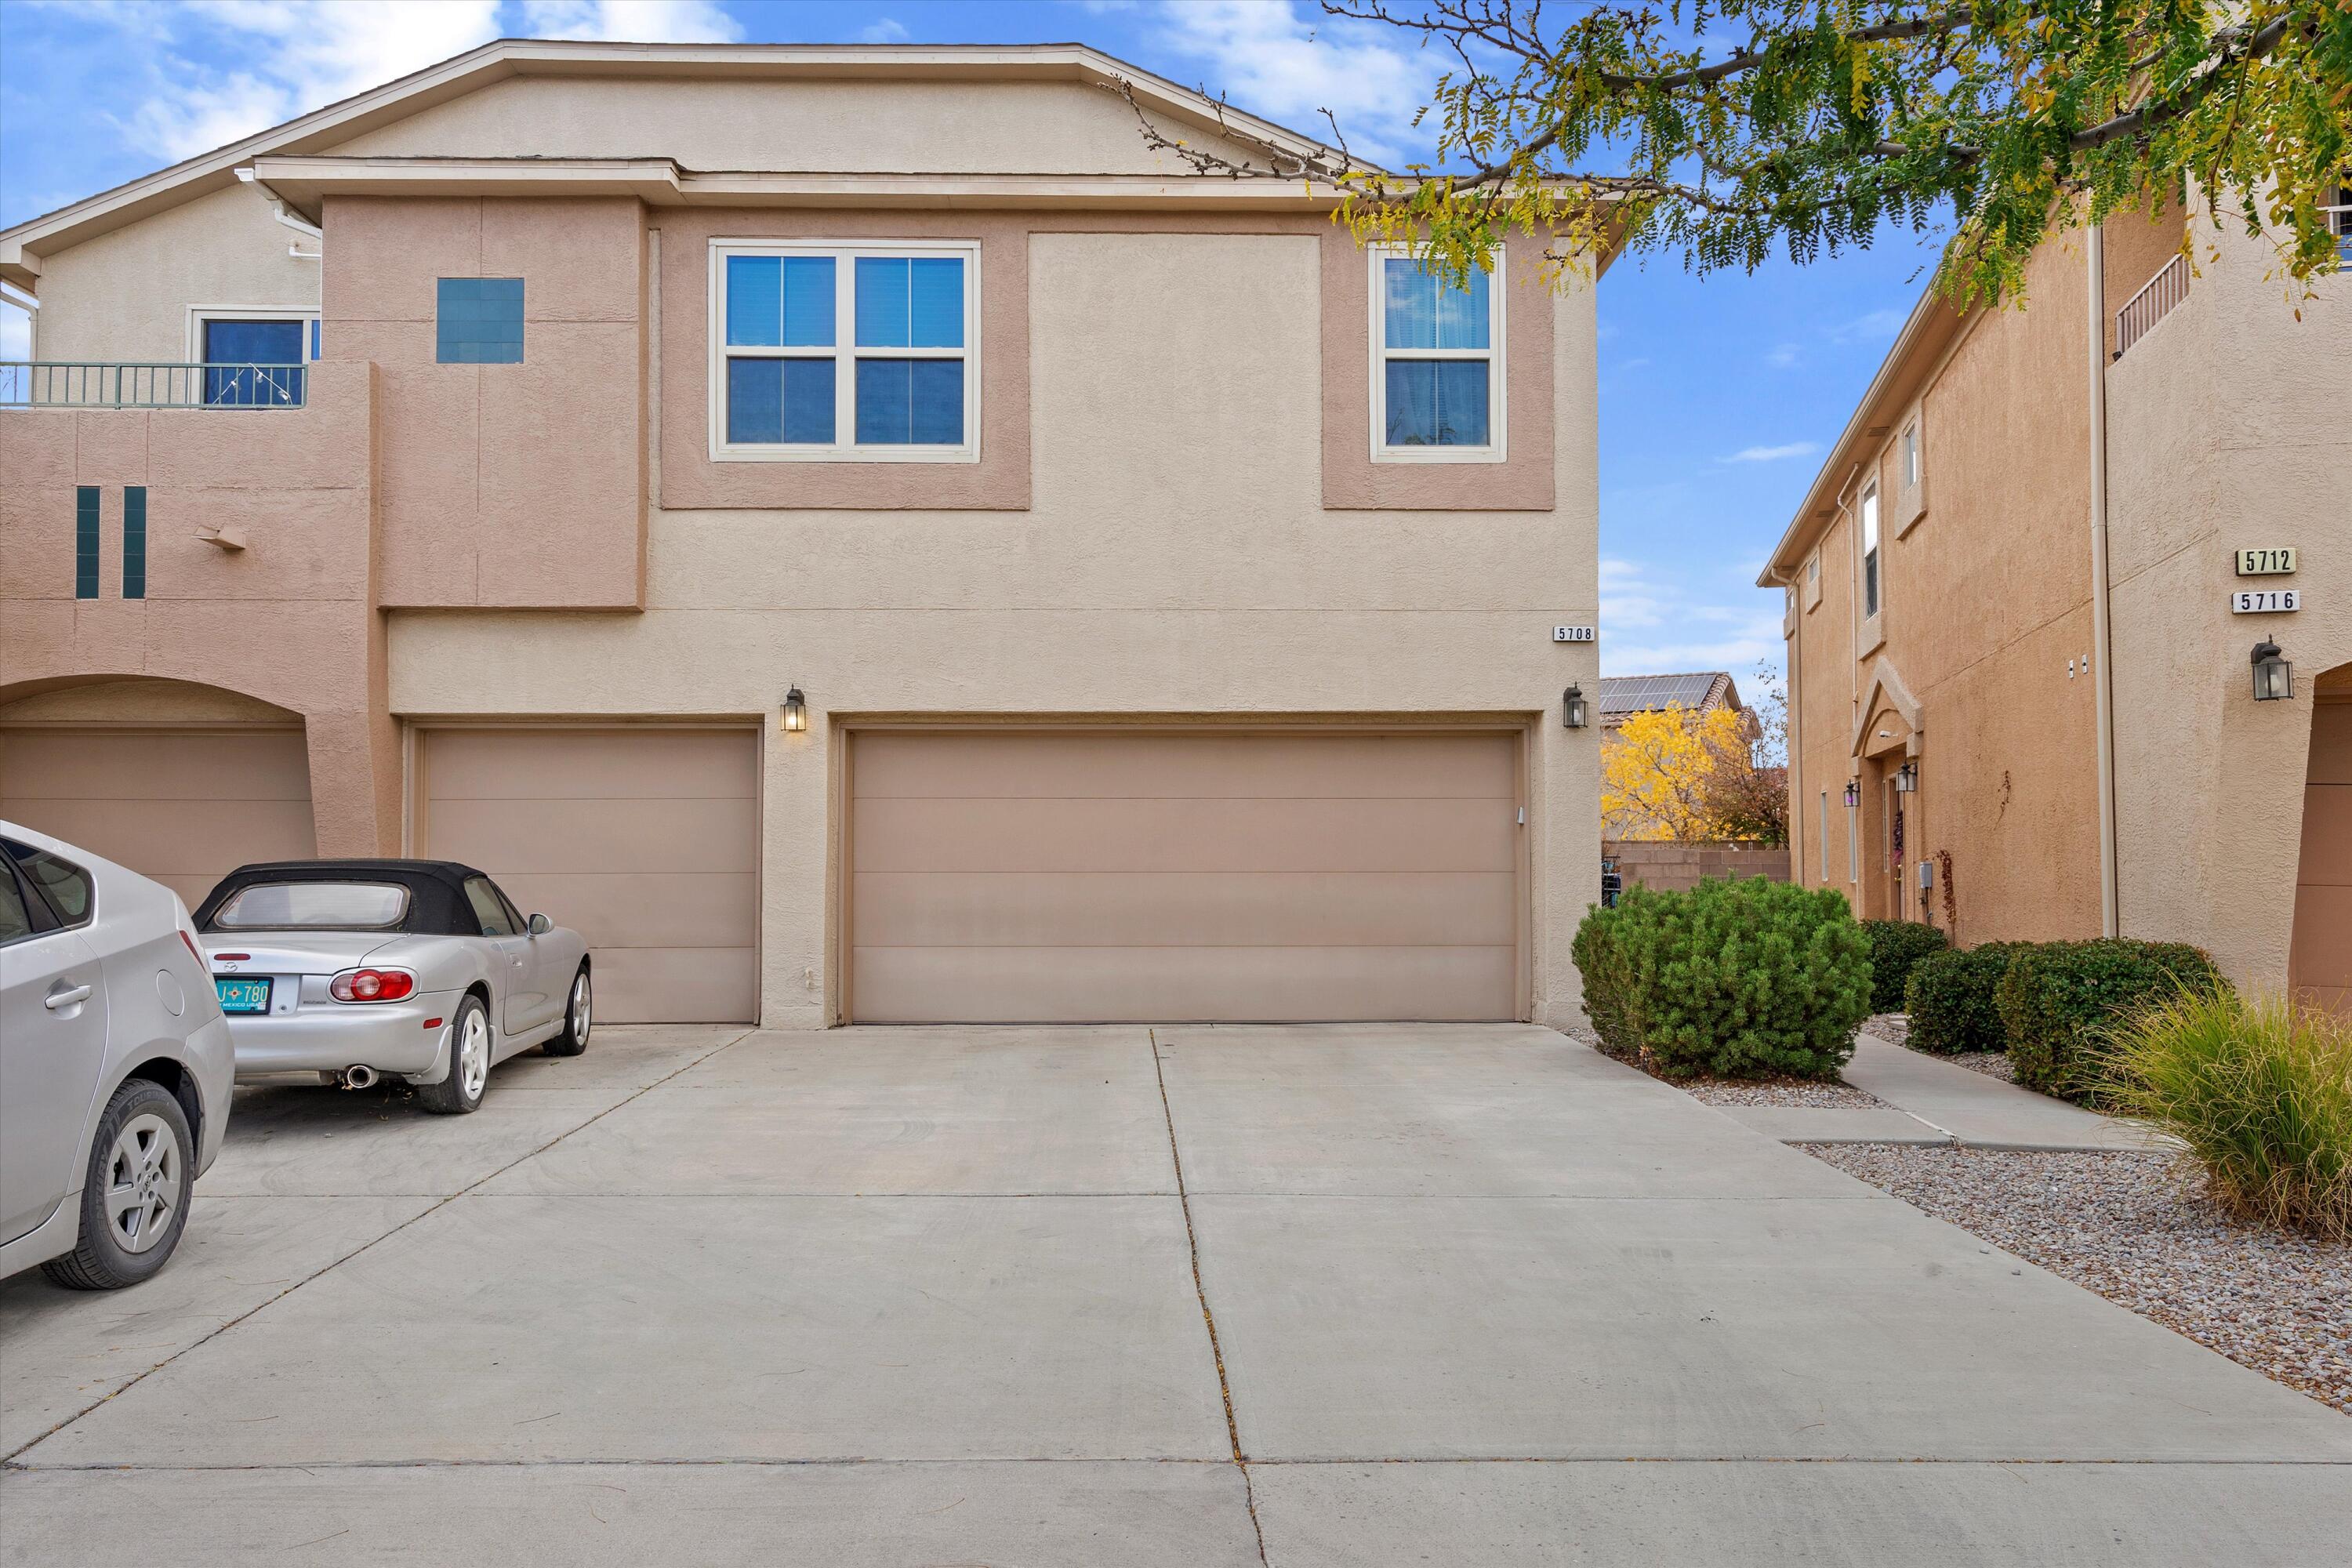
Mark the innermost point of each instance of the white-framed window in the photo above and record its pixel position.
(1825, 837)
(2340, 222)
(1870, 552)
(1437, 363)
(252, 355)
(1908, 457)
(840, 351)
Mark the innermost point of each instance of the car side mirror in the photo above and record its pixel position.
(540, 925)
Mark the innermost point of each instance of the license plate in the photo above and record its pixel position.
(244, 995)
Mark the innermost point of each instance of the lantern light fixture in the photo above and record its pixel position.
(2273, 676)
(1573, 711)
(1853, 794)
(1906, 779)
(795, 711)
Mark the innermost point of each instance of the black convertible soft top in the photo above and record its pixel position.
(436, 889)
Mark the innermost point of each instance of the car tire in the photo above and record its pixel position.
(460, 1090)
(135, 1192)
(579, 1017)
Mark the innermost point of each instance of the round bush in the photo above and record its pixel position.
(1894, 947)
(2061, 1000)
(1949, 998)
(1741, 978)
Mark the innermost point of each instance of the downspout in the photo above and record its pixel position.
(2102, 688)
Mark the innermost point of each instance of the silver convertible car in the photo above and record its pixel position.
(355, 969)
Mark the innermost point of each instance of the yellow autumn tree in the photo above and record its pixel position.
(1657, 770)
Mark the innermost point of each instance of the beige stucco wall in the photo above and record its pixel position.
(2230, 426)
(126, 295)
(1176, 561)
(968, 127)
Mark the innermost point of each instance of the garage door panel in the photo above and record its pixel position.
(1049, 835)
(980, 765)
(644, 840)
(1264, 985)
(614, 834)
(677, 985)
(710, 909)
(184, 806)
(537, 764)
(151, 766)
(1182, 908)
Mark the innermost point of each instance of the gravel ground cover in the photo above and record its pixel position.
(1992, 1064)
(2136, 1227)
(1895, 1028)
(1750, 1091)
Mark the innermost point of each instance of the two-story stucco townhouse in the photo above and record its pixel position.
(856, 530)
(2069, 612)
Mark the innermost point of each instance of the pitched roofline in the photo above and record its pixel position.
(22, 245)
(1927, 333)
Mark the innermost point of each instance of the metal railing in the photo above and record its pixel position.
(2153, 302)
(60, 384)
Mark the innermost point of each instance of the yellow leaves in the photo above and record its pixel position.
(1654, 771)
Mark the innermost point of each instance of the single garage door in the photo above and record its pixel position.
(184, 806)
(645, 840)
(1075, 876)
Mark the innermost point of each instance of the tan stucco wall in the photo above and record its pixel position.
(125, 295)
(289, 620)
(1985, 597)
(2230, 426)
(1176, 562)
(503, 484)
(973, 127)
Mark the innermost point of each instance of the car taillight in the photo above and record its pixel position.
(371, 986)
(192, 948)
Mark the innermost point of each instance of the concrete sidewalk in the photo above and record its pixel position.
(1933, 1101)
(1183, 1298)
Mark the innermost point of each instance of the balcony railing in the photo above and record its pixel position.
(44, 384)
(2153, 302)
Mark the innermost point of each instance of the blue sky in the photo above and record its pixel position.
(1718, 396)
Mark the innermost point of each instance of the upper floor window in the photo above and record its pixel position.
(1437, 383)
(477, 320)
(2339, 221)
(253, 359)
(1870, 552)
(858, 352)
(1910, 456)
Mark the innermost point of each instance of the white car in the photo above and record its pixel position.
(422, 969)
(115, 1065)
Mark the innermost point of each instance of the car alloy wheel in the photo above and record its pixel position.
(581, 1003)
(142, 1182)
(474, 1054)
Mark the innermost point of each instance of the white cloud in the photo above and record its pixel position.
(287, 57)
(1673, 630)
(1272, 60)
(1774, 454)
(888, 30)
(1781, 355)
(631, 21)
(16, 333)
(1875, 326)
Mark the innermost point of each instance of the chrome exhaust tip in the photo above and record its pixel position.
(359, 1075)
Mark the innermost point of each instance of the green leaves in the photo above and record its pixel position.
(1727, 129)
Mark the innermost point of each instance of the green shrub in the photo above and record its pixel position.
(2059, 1001)
(1740, 977)
(1894, 947)
(2261, 1093)
(1950, 1001)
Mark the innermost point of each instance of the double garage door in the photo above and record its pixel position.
(1254, 876)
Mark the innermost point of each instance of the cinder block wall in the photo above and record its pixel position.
(1672, 866)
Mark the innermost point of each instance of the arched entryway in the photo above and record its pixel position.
(181, 781)
(2319, 964)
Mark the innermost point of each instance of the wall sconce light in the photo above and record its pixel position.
(2273, 676)
(1573, 711)
(1853, 794)
(795, 711)
(1906, 778)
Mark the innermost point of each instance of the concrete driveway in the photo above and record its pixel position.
(1110, 1296)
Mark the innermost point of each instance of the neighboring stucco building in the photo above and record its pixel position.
(1166, 639)
(2014, 577)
